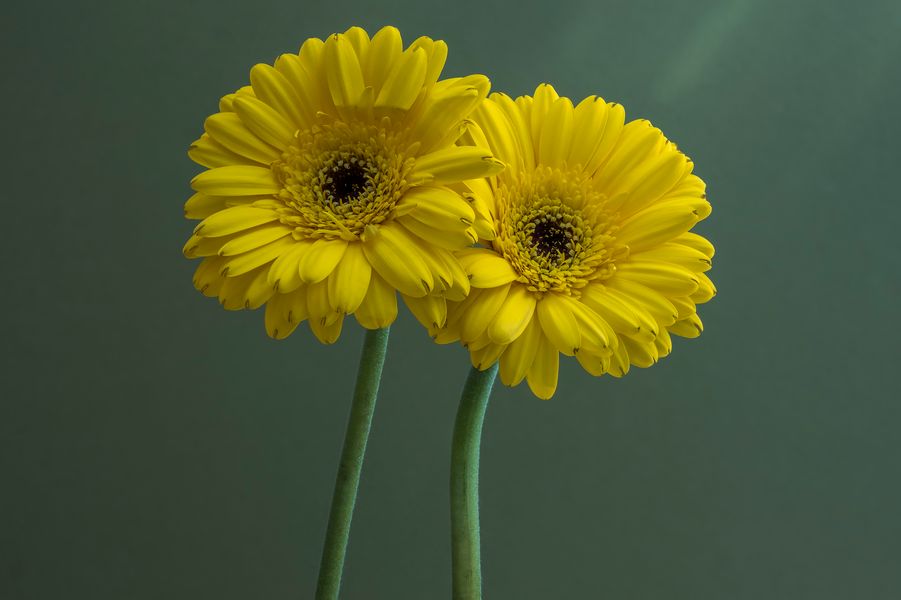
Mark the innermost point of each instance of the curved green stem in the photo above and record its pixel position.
(464, 484)
(348, 480)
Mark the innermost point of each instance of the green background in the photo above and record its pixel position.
(153, 445)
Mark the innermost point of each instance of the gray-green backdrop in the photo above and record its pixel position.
(154, 446)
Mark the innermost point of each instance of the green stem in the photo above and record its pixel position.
(348, 480)
(464, 484)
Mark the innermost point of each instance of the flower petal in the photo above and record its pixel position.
(518, 357)
(663, 277)
(384, 51)
(265, 122)
(513, 317)
(232, 133)
(234, 219)
(454, 164)
(284, 312)
(284, 274)
(236, 180)
(478, 315)
(348, 284)
(396, 259)
(556, 134)
(542, 374)
(345, 77)
(558, 324)
(486, 268)
(234, 266)
(437, 207)
(321, 259)
(254, 239)
(379, 306)
(404, 82)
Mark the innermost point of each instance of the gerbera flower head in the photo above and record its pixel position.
(590, 253)
(333, 182)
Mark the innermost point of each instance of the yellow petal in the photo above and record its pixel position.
(305, 88)
(542, 375)
(556, 134)
(595, 363)
(685, 256)
(499, 133)
(641, 354)
(274, 89)
(384, 52)
(513, 317)
(404, 82)
(613, 128)
(437, 207)
(211, 154)
(558, 324)
(200, 206)
(284, 312)
(236, 180)
(345, 77)
(448, 239)
(254, 239)
(484, 357)
(486, 268)
(284, 274)
(379, 306)
(392, 254)
(234, 219)
(454, 164)
(589, 118)
(651, 181)
(663, 277)
(327, 333)
(443, 115)
(652, 301)
(265, 122)
(693, 240)
(639, 141)
(321, 259)
(359, 39)
(232, 133)
(619, 361)
(656, 225)
(238, 265)
(621, 313)
(207, 279)
(436, 51)
(248, 290)
(430, 311)
(706, 290)
(690, 327)
(519, 126)
(349, 282)
(478, 315)
(545, 95)
(518, 357)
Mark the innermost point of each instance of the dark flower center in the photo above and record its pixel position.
(550, 239)
(346, 181)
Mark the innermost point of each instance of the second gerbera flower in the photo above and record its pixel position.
(590, 253)
(330, 184)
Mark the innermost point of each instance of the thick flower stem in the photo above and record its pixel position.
(464, 484)
(367, 388)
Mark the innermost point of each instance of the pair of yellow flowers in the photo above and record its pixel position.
(349, 173)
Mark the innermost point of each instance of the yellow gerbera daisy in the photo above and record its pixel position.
(590, 253)
(333, 182)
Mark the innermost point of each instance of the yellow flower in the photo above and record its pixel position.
(590, 253)
(333, 182)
